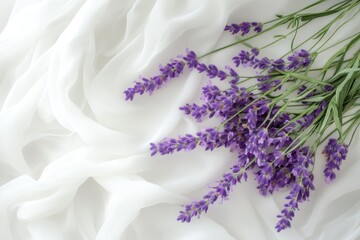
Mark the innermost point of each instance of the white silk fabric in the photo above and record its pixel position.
(74, 156)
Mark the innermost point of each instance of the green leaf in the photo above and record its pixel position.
(348, 47)
(306, 78)
(325, 120)
(355, 87)
(337, 118)
(280, 36)
(317, 98)
(311, 16)
(332, 60)
(342, 91)
(356, 79)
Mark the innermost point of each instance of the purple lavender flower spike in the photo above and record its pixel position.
(220, 191)
(208, 138)
(171, 70)
(300, 160)
(244, 28)
(335, 153)
(169, 146)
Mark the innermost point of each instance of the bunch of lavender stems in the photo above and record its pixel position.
(276, 125)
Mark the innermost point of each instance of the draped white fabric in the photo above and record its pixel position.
(74, 156)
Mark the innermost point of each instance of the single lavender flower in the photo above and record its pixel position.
(171, 70)
(208, 138)
(244, 28)
(335, 153)
(220, 191)
(300, 192)
(169, 146)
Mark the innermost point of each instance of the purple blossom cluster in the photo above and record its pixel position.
(219, 191)
(208, 138)
(303, 183)
(297, 60)
(335, 153)
(171, 70)
(244, 28)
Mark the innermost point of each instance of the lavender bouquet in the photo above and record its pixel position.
(274, 125)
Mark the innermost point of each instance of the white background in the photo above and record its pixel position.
(74, 158)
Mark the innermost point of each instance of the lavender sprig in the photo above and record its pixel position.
(171, 70)
(220, 191)
(335, 153)
(244, 28)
